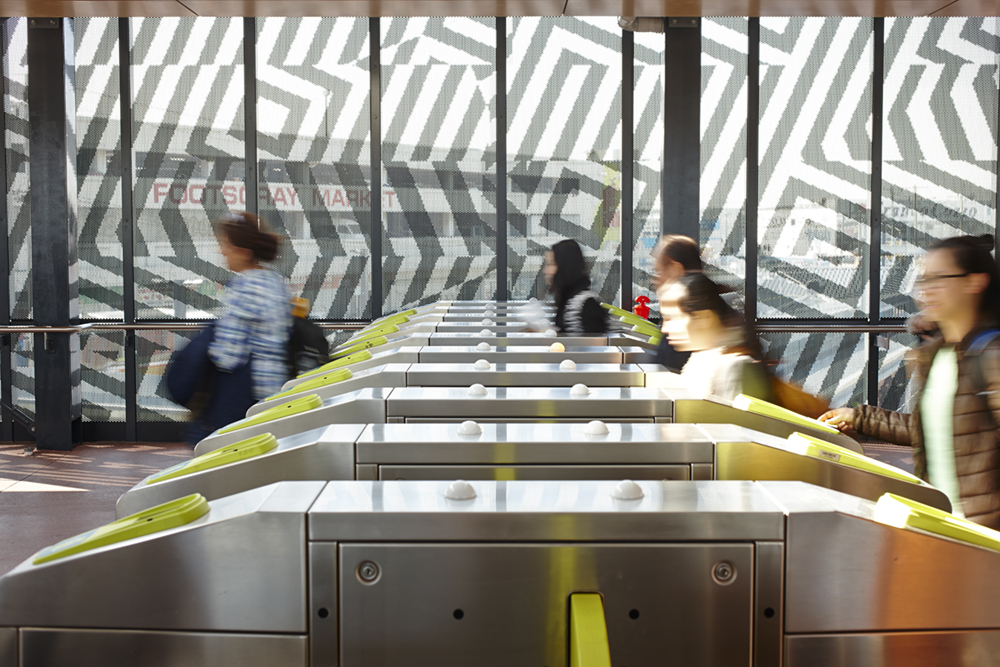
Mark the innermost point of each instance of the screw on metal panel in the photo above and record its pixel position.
(724, 572)
(368, 572)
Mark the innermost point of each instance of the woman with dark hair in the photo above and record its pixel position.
(954, 428)
(724, 361)
(257, 320)
(578, 309)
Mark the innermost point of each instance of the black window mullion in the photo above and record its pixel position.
(628, 165)
(250, 111)
(875, 240)
(127, 224)
(375, 109)
(6, 370)
(752, 171)
(501, 171)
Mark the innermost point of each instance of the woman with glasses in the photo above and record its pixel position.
(954, 428)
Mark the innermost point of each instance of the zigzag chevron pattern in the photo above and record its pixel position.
(187, 88)
(814, 176)
(313, 150)
(15, 108)
(939, 142)
(564, 147)
(439, 159)
(15, 73)
(439, 146)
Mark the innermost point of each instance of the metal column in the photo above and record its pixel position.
(628, 166)
(375, 141)
(681, 172)
(6, 348)
(503, 288)
(875, 241)
(52, 146)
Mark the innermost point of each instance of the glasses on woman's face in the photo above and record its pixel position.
(935, 282)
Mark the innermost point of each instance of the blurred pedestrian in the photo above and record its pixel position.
(674, 256)
(257, 320)
(724, 361)
(578, 308)
(954, 428)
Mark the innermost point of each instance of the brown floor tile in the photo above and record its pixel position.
(54, 495)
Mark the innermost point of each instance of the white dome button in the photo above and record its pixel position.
(476, 390)
(460, 490)
(484, 347)
(596, 427)
(627, 490)
(579, 390)
(557, 347)
(470, 428)
(567, 365)
(482, 365)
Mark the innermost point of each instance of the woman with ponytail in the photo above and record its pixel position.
(954, 428)
(257, 319)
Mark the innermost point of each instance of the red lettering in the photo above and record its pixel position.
(229, 192)
(352, 197)
(159, 190)
(389, 194)
(291, 194)
(191, 198)
(279, 195)
(243, 195)
(317, 197)
(182, 199)
(338, 196)
(366, 198)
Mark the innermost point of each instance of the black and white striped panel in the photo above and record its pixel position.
(313, 149)
(188, 115)
(438, 159)
(15, 107)
(564, 147)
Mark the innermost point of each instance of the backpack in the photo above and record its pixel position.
(307, 347)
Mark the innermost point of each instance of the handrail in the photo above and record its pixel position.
(832, 328)
(148, 326)
(187, 326)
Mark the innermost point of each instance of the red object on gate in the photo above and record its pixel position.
(641, 309)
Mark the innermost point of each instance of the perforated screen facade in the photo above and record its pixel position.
(306, 163)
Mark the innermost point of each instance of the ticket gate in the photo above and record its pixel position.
(337, 382)
(520, 451)
(470, 355)
(506, 404)
(696, 573)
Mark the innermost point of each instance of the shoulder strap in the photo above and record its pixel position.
(975, 350)
(573, 313)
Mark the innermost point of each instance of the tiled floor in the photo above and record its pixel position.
(49, 496)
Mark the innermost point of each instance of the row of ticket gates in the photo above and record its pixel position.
(455, 490)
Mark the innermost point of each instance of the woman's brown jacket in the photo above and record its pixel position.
(975, 426)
